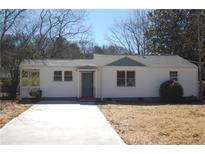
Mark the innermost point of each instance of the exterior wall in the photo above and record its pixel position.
(51, 88)
(147, 82)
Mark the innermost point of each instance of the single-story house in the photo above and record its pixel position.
(107, 76)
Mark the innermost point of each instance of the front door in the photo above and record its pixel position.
(87, 84)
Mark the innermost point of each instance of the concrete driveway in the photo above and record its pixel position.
(64, 123)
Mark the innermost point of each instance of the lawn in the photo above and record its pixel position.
(157, 124)
(10, 110)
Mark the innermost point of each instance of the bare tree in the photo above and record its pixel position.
(17, 46)
(7, 21)
(55, 24)
(86, 44)
(199, 18)
(129, 33)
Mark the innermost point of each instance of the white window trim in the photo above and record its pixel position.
(62, 74)
(29, 72)
(177, 75)
(126, 78)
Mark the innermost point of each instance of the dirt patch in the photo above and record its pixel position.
(10, 110)
(157, 124)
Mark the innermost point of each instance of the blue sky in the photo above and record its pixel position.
(102, 19)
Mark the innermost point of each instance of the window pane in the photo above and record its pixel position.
(120, 78)
(120, 82)
(25, 74)
(34, 78)
(173, 75)
(30, 78)
(120, 74)
(25, 82)
(68, 76)
(57, 75)
(130, 82)
(130, 74)
(68, 73)
(130, 78)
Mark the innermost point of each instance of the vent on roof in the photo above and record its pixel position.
(125, 62)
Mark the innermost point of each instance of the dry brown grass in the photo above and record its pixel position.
(157, 124)
(10, 110)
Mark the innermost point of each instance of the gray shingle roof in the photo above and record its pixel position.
(102, 60)
(125, 62)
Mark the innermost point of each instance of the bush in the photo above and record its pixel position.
(36, 94)
(171, 91)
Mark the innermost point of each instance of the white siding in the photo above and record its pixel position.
(53, 88)
(147, 80)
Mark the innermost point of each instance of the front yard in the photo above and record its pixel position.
(10, 110)
(157, 124)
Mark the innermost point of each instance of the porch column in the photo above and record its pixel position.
(78, 84)
(96, 81)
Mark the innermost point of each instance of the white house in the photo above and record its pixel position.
(107, 76)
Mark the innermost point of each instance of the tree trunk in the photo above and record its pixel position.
(200, 49)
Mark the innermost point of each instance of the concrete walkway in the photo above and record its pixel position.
(60, 124)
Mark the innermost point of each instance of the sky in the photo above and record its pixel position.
(102, 20)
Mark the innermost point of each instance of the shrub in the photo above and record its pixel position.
(36, 94)
(171, 91)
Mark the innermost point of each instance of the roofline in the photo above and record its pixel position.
(40, 65)
(132, 55)
(173, 67)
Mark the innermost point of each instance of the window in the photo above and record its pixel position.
(34, 76)
(25, 78)
(25, 73)
(130, 78)
(125, 78)
(30, 78)
(121, 78)
(68, 76)
(57, 75)
(173, 75)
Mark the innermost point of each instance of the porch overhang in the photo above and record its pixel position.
(87, 68)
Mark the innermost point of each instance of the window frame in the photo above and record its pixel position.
(173, 75)
(121, 79)
(71, 76)
(126, 78)
(37, 76)
(54, 77)
(130, 78)
(28, 77)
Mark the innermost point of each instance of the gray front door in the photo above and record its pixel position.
(87, 84)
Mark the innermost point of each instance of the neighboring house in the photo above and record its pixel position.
(107, 76)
